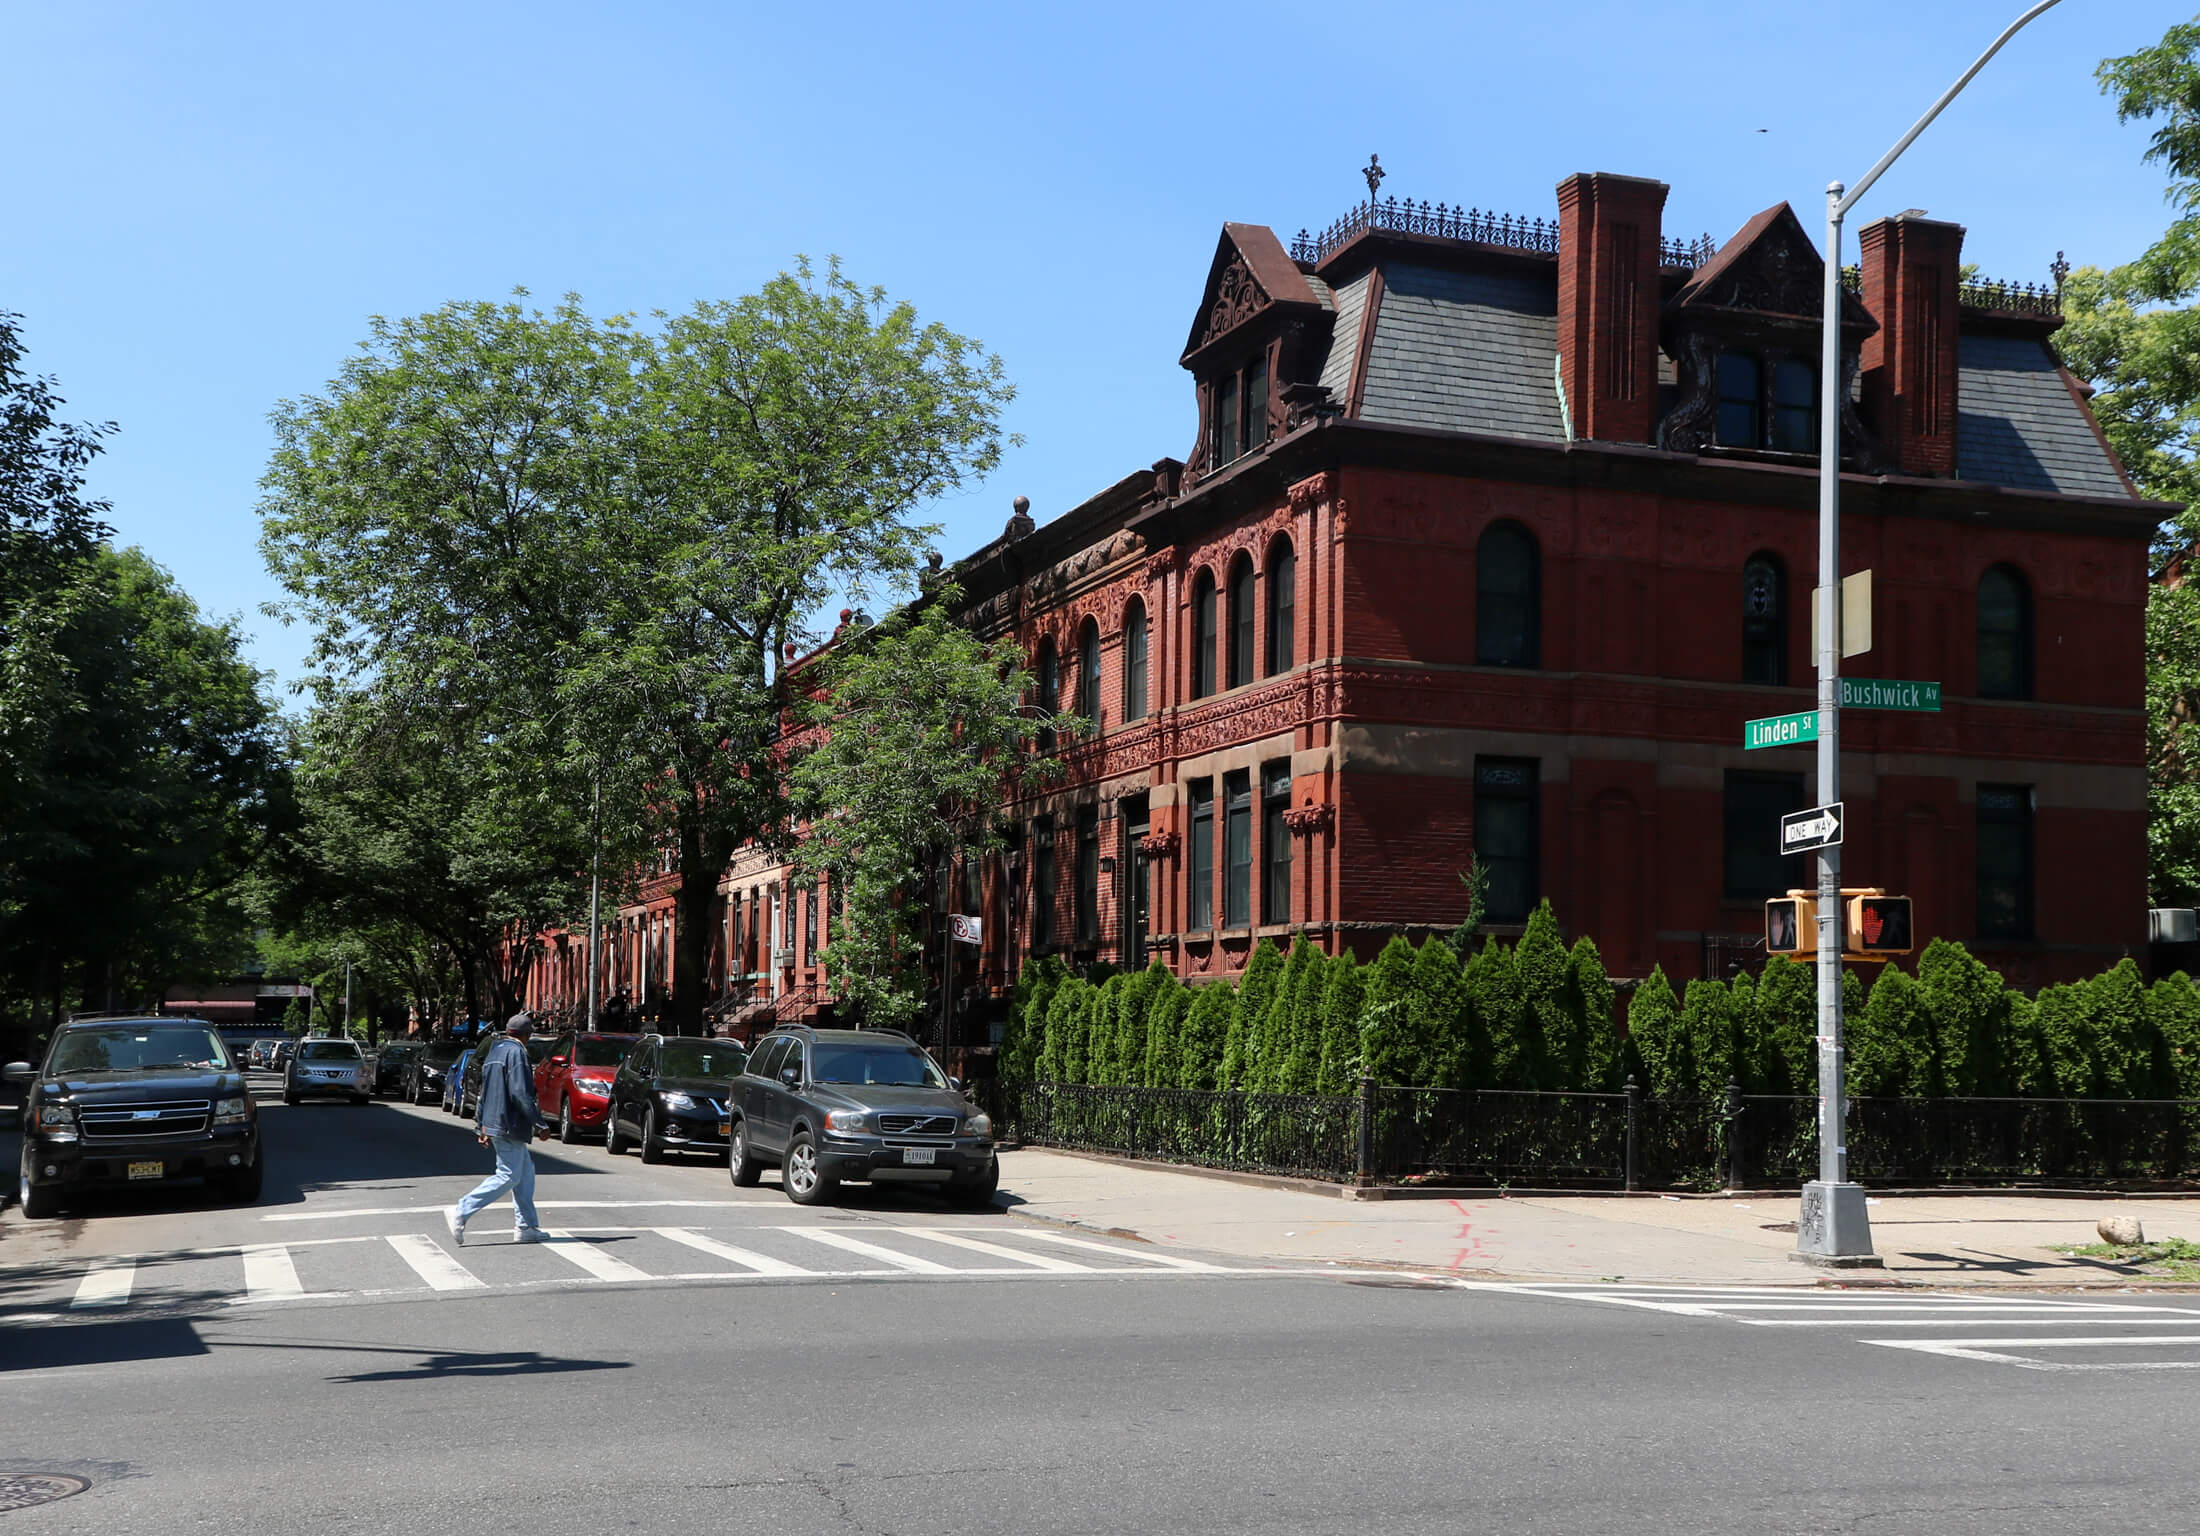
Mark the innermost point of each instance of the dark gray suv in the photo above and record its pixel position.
(848, 1105)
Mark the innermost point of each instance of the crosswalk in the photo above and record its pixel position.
(2039, 1333)
(424, 1264)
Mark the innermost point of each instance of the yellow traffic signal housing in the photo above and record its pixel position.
(1791, 926)
(1879, 925)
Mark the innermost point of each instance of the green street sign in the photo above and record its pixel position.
(1781, 730)
(1888, 693)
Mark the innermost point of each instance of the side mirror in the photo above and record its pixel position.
(557, 1061)
(791, 1076)
(18, 1072)
(955, 1083)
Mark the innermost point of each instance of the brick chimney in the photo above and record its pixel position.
(1909, 364)
(1608, 233)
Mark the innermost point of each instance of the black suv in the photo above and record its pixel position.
(831, 1105)
(123, 1101)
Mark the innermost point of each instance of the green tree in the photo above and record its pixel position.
(1269, 1037)
(1503, 1054)
(1027, 1014)
(2173, 1009)
(1551, 1037)
(1708, 1021)
(909, 726)
(1256, 989)
(1440, 1017)
(1168, 1001)
(1340, 1022)
(1206, 1027)
(1967, 1011)
(1590, 997)
(1889, 1042)
(1298, 1054)
(604, 535)
(1388, 1047)
(1655, 1032)
(1783, 1053)
(2134, 331)
(1062, 1057)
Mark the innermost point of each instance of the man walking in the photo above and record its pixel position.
(508, 1121)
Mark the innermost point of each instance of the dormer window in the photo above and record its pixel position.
(1783, 419)
(1239, 415)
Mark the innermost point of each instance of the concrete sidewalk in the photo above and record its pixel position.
(1983, 1239)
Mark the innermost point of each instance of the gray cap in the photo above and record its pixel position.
(520, 1023)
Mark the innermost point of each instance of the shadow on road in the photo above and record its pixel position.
(440, 1364)
(102, 1343)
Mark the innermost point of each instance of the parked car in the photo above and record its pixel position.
(327, 1068)
(392, 1063)
(670, 1096)
(262, 1055)
(424, 1073)
(284, 1050)
(454, 1080)
(127, 1101)
(573, 1084)
(538, 1050)
(830, 1106)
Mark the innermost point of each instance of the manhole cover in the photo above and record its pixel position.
(20, 1490)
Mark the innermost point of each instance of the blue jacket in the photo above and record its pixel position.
(507, 1106)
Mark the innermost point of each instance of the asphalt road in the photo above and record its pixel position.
(914, 1384)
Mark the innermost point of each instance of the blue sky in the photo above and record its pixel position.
(207, 201)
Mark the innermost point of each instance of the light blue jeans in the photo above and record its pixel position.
(516, 1172)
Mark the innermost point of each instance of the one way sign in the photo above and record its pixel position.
(1819, 827)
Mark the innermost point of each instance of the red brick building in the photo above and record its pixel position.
(1493, 533)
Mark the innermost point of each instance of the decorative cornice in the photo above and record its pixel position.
(1305, 494)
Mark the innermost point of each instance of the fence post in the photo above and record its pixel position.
(1363, 1126)
(1634, 1108)
(1733, 1134)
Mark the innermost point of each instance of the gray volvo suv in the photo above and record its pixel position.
(837, 1105)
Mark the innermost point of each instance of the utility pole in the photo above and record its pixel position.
(595, 889)
(347, 999)
(1834, 1227)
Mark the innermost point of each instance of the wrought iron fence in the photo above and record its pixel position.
(1480, 225)
(1629, 1140)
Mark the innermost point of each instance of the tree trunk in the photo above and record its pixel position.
(694, 910)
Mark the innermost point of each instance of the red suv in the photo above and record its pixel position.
(573, 1082)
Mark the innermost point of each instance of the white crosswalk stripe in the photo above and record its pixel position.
(1963, 1326)
(420, 1264)
(432, 1264)
(106, 1284)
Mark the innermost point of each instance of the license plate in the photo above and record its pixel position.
(147, 1170)
(920, 1157)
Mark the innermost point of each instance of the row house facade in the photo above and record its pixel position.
(1492, 535)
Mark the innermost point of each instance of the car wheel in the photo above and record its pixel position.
(653, 1150)
(289, 1097)
(565, 1122)
(976, 1194)
(362, 1100)
(611, 1142)
(40, 1202)
(746, 1169)
(804, 1175)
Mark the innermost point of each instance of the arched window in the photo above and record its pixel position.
(1241, 621)
(1741, 423)
(1088, 675)
(1764, 622)
(1795, 406)
(2004, 635)
(1134, 661)
(1283, 600)
(1203, 635)
(1507, 592)
(1048, 700)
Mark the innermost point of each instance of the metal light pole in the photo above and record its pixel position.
(1833, 1227)
(347, 999)
(595, 891)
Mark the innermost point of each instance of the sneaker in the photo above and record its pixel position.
(457, 1224)
(530, 1235)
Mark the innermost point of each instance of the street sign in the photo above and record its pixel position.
(966, 930)
(1889, 693)
(1780, 730)
(1819, 827)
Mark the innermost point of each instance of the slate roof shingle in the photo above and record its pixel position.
(1462, 352)
(2017, 425)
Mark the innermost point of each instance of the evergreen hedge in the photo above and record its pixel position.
(1540, 1015)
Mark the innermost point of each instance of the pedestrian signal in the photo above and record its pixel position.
(1791, 925)
(1879, 925)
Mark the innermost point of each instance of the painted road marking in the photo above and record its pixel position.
(541, 1205)
(106, 1284)
(269, 1274)
(1993, 1351)
(755, 1261)
(991, 1250)
(1166, 1260)
(870, 1250)
(589, 1259)
(432, 1264)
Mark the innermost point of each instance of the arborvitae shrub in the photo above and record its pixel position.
(1341, 998)
(1386, 1017)
(1785, 1054)
(1552, 1044)
(1655, 1033)
(1269, 1036)
(1205, 1028)
(1500, 1021)
(1889, 1044)
(1255, 990)
(1298, 1068)
(1590, 998)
